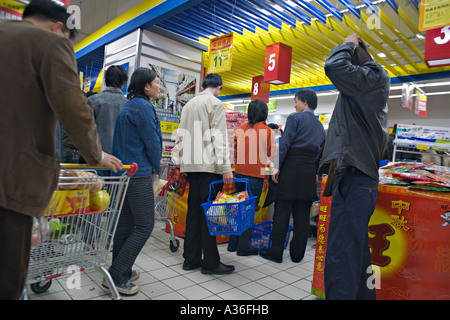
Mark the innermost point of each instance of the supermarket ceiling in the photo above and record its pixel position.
(311, 27)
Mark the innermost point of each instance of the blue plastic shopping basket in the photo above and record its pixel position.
(262, 236)
(229, 218)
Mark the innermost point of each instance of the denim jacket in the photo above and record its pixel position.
(137, 136)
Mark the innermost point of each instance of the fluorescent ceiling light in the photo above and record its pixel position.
(327, 93)
(437, 93)
(436, 84)
(423, 85)
(381, 55)
(278, 8)
(427, 94)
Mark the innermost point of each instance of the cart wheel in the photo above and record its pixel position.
(41, 287)
(174, 247)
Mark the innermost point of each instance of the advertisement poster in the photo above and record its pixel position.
(420, 104)
(177, 88)
(409, 242)
(220, 53)
(434, 14)
(414, 99)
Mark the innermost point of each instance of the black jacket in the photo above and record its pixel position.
(358, 132)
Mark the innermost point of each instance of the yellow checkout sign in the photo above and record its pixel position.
(220, 53)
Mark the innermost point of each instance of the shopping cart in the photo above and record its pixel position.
(230, 218)
(75, 233)
(166, 200)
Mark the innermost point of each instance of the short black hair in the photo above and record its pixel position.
(309, 96)
(212, 80)
(116, 76)
(139, 79)
(49, 10)
(361, 54)
(257, 111)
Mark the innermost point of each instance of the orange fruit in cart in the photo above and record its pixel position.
(99, 201)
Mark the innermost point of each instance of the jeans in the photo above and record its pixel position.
(242, 242)
(347, 261)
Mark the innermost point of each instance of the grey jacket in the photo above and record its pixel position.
(358, 132)
(106, 106)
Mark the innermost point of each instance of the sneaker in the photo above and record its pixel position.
(127, 288)
(135, 275)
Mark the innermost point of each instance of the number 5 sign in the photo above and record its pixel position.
(277, 69)
(437, 47)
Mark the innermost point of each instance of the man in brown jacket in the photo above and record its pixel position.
(38, 86)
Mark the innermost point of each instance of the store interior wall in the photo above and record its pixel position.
(97, 13)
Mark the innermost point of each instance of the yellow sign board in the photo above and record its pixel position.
(434, 14)
(168, 126)
(220, 53)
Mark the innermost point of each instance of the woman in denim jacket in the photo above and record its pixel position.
(137, 138)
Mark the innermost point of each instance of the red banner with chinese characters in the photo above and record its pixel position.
(409, 241)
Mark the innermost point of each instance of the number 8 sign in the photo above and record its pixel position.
(277, 68)
(260, 89)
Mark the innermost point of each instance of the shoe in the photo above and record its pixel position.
(268, 256)
(188, 267)
(221, 269)
(251, 253)
(127, 288)
(134, 275)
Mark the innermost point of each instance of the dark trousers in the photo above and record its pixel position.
(136, 222)
(347, 261)
(197, 238)
(242, 242)
(15, 246)
(300, 213)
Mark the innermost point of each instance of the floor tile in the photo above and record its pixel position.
(162, 277)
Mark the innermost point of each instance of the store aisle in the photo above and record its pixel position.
(162, 277)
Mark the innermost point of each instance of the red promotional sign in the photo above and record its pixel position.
(277, 69)
(437, 47)
(409, 244)
(260, 89)
(8, 14)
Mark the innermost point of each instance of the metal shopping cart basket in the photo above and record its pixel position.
(76, 231)
(166, 199)
(230, 218)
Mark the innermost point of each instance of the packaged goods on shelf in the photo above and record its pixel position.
(416, 175)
